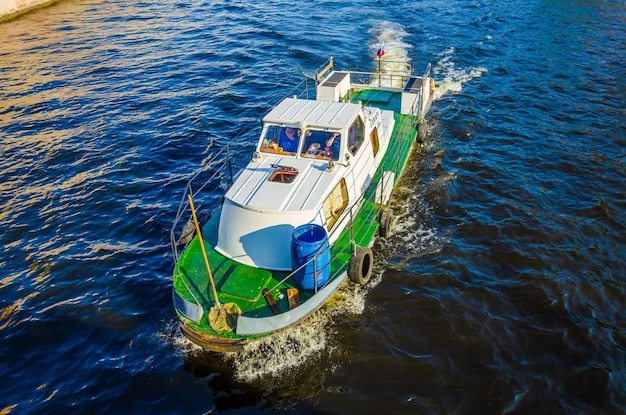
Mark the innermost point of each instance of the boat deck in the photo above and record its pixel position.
(385, 100)
(243, 285)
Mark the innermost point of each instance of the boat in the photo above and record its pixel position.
(300, 219)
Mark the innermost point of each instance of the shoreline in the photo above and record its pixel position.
(12, 9)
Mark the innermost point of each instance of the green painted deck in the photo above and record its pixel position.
(385, 100)
(242, 284)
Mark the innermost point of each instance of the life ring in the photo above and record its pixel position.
(386, 220)
(361, 264)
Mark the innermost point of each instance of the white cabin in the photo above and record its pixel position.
(312, 162)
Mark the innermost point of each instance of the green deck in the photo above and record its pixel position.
(243, 284)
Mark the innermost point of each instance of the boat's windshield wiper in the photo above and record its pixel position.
(278, 166)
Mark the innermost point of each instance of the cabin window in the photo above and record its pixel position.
(281, 140)
(335, 204)
(321, 144)
(356, 136)
(374, 140)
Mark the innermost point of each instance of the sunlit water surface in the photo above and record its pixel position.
(502, 289)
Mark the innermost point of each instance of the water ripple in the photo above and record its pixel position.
(501, 289)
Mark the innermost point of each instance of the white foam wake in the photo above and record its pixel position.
(274, 356)
(292, 348)
(396, 59)
(449, 78)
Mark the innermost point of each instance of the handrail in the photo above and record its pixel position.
(427, 72)
(222, 156)
(335, 274)
(327, 66)
(398, 79)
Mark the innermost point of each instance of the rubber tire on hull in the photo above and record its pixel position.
(187, 234)
(361, 264)
(386, 220)
(421, 132)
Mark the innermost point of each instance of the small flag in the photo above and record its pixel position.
(381, 51)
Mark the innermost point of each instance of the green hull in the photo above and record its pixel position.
(243, 285)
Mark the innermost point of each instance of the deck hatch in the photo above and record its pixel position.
(284, 176)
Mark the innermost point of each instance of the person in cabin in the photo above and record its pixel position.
(332, 146)
(289, 139)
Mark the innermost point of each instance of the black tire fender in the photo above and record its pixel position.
(386, 220)
(421, 132)
(361, 264)
(187, 234)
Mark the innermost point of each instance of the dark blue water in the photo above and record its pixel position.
(502, 290)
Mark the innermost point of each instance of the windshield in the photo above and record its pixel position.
(322, 145)
(281, 140)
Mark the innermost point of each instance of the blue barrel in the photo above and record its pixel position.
(310, 241)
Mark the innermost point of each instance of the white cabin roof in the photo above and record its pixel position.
(324, 114)
(257, 192)
(258, 215)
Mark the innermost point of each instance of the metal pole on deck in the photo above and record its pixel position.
(230, 165)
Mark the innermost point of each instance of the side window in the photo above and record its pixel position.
(335, 204)
(355, 136)
(374, 140)
(270, 140)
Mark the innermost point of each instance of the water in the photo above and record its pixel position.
(502, 289)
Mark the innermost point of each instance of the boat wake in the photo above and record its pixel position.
(396, 59)
(294, 347)
(450, 79)
(170, 334)
(412, 234)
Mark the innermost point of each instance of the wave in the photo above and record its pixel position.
(450, 79)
